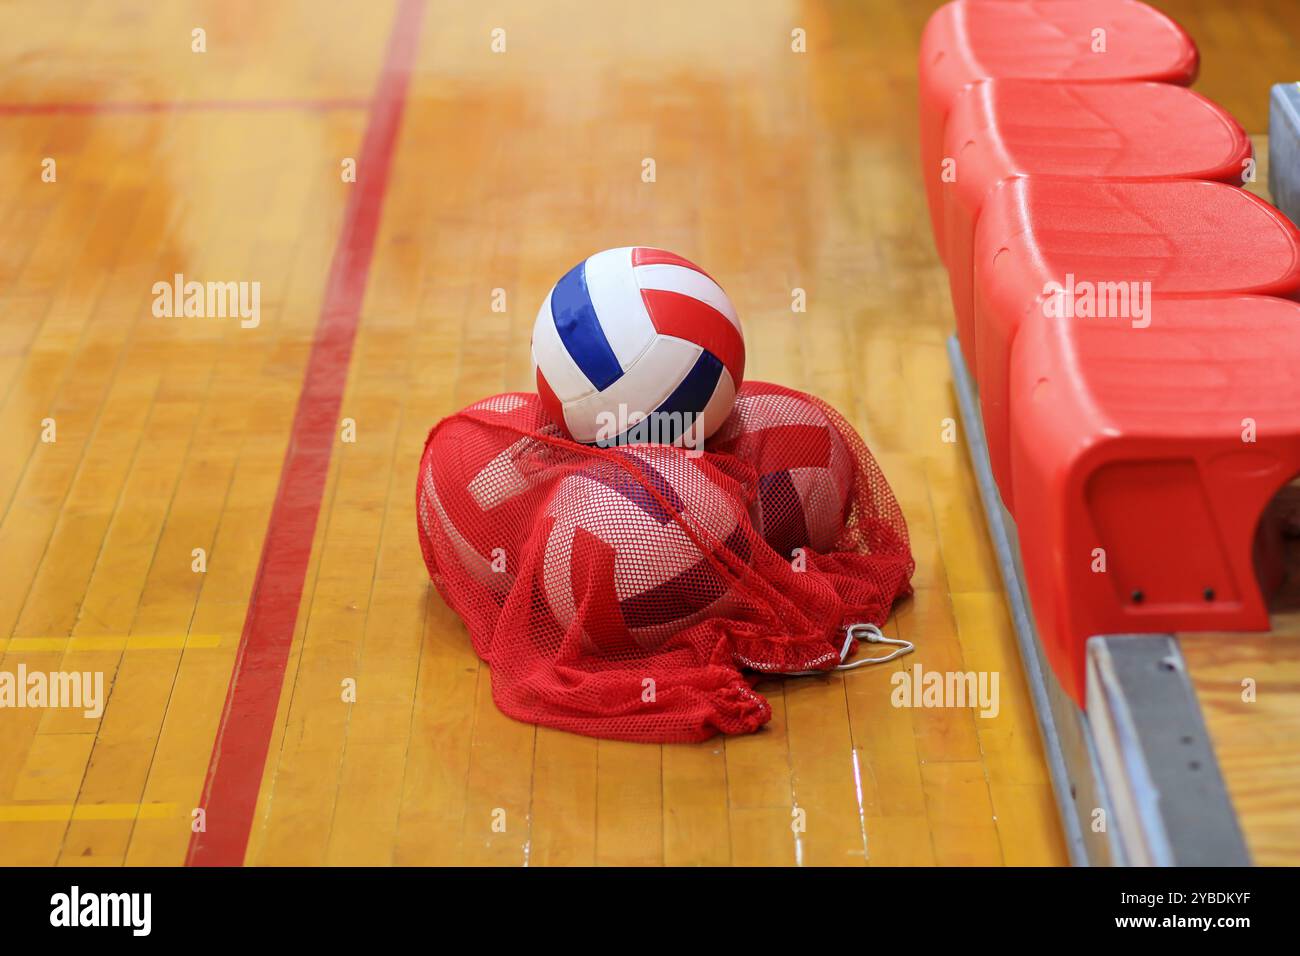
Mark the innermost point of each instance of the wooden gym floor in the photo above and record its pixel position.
(476, 171)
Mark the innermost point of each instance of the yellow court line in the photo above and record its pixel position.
(62, 812)
(144, 642)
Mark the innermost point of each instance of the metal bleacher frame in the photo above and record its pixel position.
(1135, 775)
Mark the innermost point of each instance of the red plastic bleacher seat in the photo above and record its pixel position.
(1138, 495)
(1183, 237)
(1142, 131)
(972, 40)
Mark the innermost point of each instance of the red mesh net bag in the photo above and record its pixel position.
(636, 592)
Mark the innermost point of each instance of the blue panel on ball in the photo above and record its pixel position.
(678, 412)
(689, 399)
(784, 527)
(580, 331)
(635, 492)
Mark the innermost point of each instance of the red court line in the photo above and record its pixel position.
(178, 106)
(247, 721)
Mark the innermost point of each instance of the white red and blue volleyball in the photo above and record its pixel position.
(619, 570)
(638, 345)
(805, 469)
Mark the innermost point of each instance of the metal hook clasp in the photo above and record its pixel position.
(872, 635)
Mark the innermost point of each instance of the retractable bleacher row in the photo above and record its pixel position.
(1126, 356)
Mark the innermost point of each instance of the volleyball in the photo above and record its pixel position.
(465, 502)
(805, 471)
(638, 345)
(617, 558)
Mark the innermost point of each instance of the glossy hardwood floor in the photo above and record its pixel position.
(777, 170)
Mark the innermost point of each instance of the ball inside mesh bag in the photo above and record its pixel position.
(470, 502)
(619, 563)
(805, 470)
